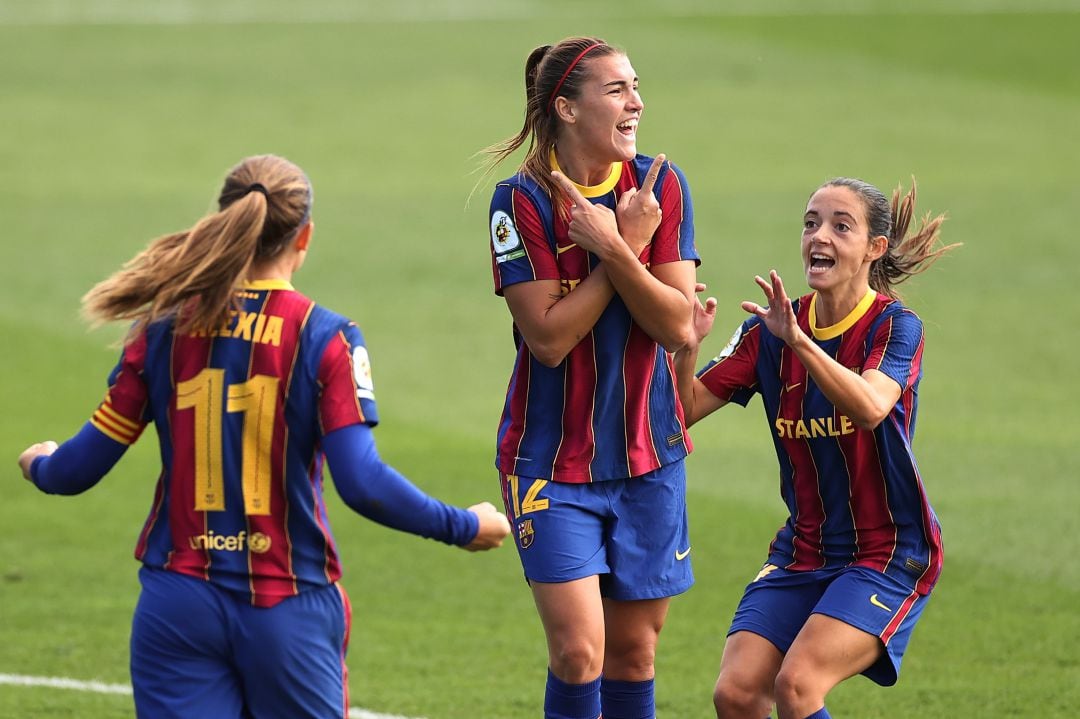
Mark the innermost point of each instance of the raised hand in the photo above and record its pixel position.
(592, 227)
(778, 316)
(494, 526)
(33, 452)
(638, 211)
(703, 315)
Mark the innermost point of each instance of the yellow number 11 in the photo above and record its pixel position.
(257, 399)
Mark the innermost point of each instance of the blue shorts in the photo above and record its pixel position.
(778, 602)
(632, 532)
(198, 650)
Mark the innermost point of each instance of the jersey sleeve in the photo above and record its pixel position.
(732, 374)
(896, 348)
(520, 249)
(674, 239)
(124, 413)
(346, 388)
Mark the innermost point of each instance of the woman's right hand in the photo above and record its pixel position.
(41, 449)
(494, 526)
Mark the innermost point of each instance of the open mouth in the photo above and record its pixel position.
(820, 263)
(628, 127)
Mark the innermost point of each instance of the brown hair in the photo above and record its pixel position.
(193, 275)
(550, 72)
(905, 256)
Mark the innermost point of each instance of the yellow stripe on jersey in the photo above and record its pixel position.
(115, 426)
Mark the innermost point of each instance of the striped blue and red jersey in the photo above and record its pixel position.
(240, 413)
(855, 496)
(610, 410)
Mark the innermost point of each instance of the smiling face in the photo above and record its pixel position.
(837, 247)
(602, 120)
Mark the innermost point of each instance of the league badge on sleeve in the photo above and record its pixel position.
(731, 345)
(505, 240)
(365, 385)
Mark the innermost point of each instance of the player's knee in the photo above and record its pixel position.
(794, 686)
(732, 698)
(577, 661)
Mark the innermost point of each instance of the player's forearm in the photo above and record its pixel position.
(77, 464)
(557, 329)
(663, 311)
(377, 491)
(850, 393)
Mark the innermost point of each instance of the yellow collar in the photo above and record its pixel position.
(266, 285)
(593, 190)
(828, 333)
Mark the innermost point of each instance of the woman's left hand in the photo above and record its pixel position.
(778, 316)
(638, 211)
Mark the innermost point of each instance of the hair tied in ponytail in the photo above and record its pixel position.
(258, 187)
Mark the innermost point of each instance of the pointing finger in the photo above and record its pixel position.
(653, 173)
(569, 188)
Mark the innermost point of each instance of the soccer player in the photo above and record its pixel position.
(838, 370)
(250, 385)
(592, 247)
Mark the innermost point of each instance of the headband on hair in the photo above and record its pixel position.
(558, 85)
(257, 187)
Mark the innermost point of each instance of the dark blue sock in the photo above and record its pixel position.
(820, 714)
(628, 700)
(571, 701)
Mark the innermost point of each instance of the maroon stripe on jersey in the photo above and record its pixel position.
(809, 515)
(190, 355)
(510, 445)
(669, 359)
(898, 618)
(875, 529)
(909, 397)
(271, 572)
(639, 357)
(577, 444)
(533, 238)
(339, 404)
(151, 520)
(668, 235)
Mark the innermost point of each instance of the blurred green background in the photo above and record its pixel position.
(120, 119)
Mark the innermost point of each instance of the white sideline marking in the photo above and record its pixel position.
(102, 688)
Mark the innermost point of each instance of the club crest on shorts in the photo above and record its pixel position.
(525, 533)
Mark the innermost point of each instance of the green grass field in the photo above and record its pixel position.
(121, 118)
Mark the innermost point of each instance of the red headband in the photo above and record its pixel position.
(570, 69)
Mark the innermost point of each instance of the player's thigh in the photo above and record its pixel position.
(180, 656)
(826, 652)
(292, 655)
(573, 619)
(880, 605)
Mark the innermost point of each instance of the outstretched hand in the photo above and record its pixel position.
(41, 449)
(703, 315)
(494, 526)
(638, 212)
(778, 316)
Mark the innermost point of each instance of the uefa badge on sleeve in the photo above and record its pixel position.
(525, 533)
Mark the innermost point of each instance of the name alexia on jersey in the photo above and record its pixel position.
(249, 326)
